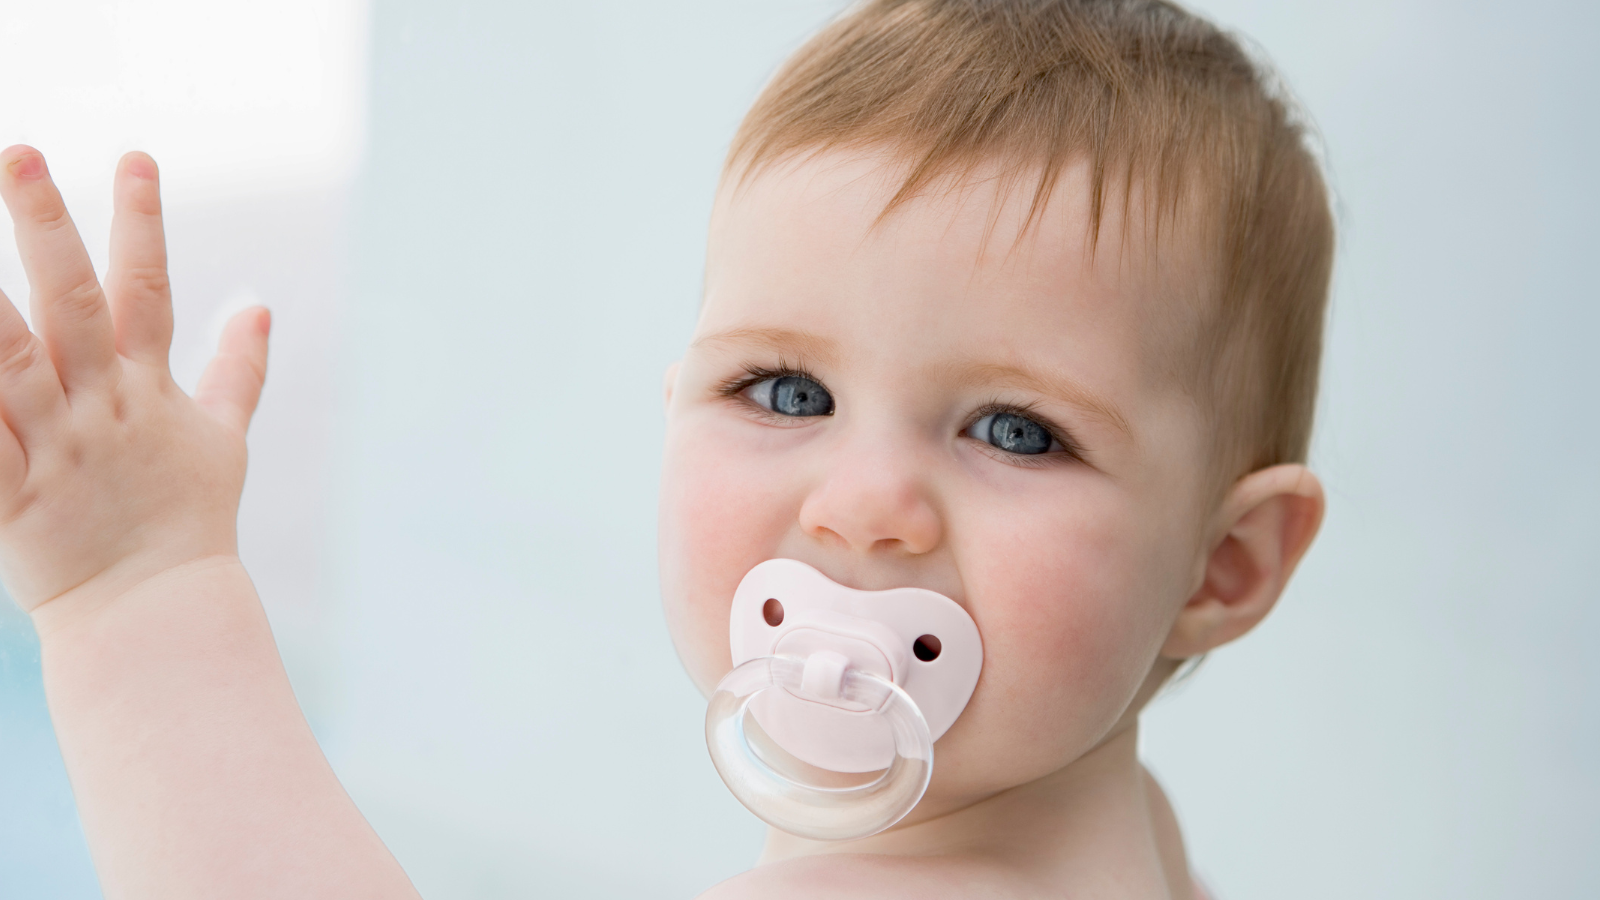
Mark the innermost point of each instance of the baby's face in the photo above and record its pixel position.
(926, 401)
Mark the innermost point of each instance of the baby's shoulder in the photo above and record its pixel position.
(850, 876)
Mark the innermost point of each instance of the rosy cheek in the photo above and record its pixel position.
(1059, 605)
(720, 516)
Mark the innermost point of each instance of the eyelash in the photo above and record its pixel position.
(735, 386)
(1070, 449)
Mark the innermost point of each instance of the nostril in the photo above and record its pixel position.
(772, 611)
(926, 648)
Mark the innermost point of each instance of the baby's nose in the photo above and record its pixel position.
(871, 502)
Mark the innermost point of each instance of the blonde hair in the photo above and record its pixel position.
(1144, 92)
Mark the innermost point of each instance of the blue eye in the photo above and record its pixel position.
(1012, 433)
(792, 395)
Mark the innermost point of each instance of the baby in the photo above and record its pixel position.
(1019, 301)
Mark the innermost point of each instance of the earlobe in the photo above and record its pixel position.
(1268, 521)
(668, 382)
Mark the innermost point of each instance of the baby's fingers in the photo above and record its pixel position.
(231, 383)
(136, 284)
(68, 308)
(30, 393)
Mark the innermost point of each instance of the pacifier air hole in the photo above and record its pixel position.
(772, 611)
(927, 648)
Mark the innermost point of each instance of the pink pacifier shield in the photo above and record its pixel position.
(919, 639)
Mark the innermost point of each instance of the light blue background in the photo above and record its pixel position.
(1419, 719)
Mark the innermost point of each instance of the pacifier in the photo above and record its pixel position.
(825, 726)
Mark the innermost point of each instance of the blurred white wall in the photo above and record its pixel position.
(458, 552)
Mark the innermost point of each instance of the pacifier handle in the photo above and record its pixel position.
(810, 810)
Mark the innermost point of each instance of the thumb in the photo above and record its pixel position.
(231, 383)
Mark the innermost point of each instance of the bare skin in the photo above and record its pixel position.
(1090, 575)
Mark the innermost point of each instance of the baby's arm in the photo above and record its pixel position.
(194, 770)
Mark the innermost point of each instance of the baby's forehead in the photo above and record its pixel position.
(990, 236)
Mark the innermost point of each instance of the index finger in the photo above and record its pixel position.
(69, 309)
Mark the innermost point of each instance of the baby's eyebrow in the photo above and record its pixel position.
(978, 374)
(783, 341)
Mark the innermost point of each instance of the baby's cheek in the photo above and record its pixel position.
(720, 516)
(1062, 607)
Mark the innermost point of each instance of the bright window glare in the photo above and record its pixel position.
(220, 93)
(231, 99)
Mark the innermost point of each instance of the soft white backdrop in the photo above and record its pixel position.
(451, 514)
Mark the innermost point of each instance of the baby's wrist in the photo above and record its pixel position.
(134, 581)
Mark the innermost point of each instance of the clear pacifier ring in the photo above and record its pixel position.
(810, 810)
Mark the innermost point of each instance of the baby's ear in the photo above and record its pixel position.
(669, 382)
(1266, 523)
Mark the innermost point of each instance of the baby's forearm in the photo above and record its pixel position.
(194, 770)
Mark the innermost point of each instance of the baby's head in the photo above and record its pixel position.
(1020, 301)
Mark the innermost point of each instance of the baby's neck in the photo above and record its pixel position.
(1100, 821)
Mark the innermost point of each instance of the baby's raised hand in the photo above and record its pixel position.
(109, 473)
(194, 770)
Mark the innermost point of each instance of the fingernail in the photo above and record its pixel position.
(142, 167)
(264, 321)
(28, 167)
